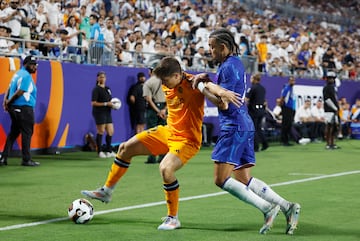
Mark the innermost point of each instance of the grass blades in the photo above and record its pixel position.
(324, 182)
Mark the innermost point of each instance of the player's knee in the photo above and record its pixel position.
(166, 172)
(121, 150)
(218, 181)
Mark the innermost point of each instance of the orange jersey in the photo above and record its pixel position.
(185, 110)
(262, 50)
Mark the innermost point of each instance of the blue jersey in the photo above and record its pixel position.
(23, 80)
(231, 75)
(288, 94)
(96, 35)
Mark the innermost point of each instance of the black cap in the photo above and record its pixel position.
(30, 60)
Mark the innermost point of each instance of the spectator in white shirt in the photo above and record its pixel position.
(318, 114)
(304, 122)
(109, 48)
(13, 18)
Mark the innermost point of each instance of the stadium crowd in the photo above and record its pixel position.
(138, 32)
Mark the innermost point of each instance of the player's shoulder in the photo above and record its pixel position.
(188, 77)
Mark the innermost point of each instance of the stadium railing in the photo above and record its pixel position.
(104, 54)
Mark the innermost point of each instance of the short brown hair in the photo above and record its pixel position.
(167, 67)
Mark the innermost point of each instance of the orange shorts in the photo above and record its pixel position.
(159, 140)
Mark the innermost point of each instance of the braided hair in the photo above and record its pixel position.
(224, 36)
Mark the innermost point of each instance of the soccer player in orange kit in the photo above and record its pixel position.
(180, 139)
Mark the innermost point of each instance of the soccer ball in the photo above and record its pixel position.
(81, 211)
(116, 103)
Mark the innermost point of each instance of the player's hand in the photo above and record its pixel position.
(228, 96)
(203, 77)
(162, 114)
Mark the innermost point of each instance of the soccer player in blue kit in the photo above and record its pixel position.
(234, 150)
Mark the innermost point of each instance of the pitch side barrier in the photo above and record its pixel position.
(63, 110)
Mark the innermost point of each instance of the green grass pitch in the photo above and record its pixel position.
(34, 201)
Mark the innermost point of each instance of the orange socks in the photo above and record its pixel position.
(171, 191)
(118, 169)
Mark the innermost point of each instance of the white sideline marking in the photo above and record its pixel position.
(24, 225)
(305, 174)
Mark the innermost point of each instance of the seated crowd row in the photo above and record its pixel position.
(309, 121)
(126, 33)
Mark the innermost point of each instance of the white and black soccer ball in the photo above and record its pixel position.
(116, 103)
(81, 211)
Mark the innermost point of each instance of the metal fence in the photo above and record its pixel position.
(104, 54)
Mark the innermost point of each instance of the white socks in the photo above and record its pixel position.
(264, 191)
(243, 193)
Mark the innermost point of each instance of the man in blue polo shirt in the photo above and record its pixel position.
(19, 101)
(288, 106)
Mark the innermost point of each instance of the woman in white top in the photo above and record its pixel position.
(73, 35)
(41, 16)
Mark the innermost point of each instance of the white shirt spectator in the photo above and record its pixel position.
(115, 7)
(145, 26)
(199, 61)
(125, 8)
(126, 56)
(273, 50)
(14, 22)
(302, 113)
(41, 16)
(4, 47)
(283, 54)
(144, 4)
(148, 47)
(317, 111)
(53, 13)
(211, 21)
(202, 35)
(73, 41)
(30, 7)
(277, 112)
(108, 38)
(185, 26)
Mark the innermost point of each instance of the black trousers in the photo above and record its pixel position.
(287, 121)
(257, 115)
(152, 120)
(22, 122)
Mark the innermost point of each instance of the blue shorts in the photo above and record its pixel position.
(236, 148)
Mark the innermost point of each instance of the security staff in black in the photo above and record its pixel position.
(156, 107)
(331, 108)
(19, 101)
(255, 97)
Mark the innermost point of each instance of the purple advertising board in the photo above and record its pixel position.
(63, 110)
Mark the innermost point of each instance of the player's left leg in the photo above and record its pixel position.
(180, 151)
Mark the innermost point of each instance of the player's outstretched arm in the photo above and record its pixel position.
(216, 94)
(225, 95)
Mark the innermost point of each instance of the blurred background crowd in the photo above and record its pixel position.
(304, 38)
